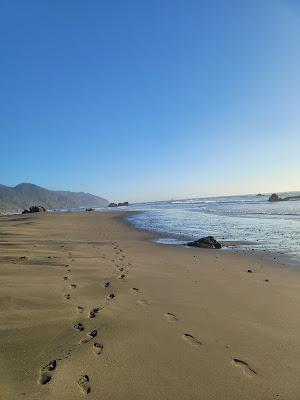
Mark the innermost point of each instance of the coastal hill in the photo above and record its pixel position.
(15, 199)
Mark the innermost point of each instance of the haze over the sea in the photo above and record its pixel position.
(141, 101)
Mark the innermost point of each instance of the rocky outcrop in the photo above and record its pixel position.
(34, 209)
(275, 197)
(208, 242)
(125, 203)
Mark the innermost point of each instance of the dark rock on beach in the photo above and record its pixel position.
(125, 203)
(34, 209)
(208, 242)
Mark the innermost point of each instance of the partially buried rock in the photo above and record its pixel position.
(208, 242)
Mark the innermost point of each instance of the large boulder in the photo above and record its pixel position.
(112, 205)
(208, 242)
(34, 209)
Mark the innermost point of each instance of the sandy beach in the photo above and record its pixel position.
(91, 308)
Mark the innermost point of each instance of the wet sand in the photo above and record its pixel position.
(90, 308)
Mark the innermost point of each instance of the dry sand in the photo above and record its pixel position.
(184, 323)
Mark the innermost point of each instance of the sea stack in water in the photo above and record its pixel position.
(274, 197)
(208, 242)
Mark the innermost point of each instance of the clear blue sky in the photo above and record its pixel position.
(143, 100)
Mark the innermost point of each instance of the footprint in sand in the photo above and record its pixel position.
(247, 370)
(106, 284)
(79, 327)
(67, 296)
(45, 375)
(91, 335)
(143, 302)
(73, 286)
(134, 290)
(65, 278)
(93, 312)
(80, 309)
(121, 277)
(97, 347)
(171, 317)
(83, 383)
(191, 340)
(110, 296)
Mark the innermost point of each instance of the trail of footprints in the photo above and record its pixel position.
(46, 372)
(195, 342)
(170, 317)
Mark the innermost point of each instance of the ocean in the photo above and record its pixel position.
(251, 220)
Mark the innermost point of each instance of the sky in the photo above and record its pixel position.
(150, 100)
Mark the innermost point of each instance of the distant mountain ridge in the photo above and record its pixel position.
(15, 199)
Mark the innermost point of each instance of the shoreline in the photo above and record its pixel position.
(234, 246)
(183, 322)
(282, 260)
